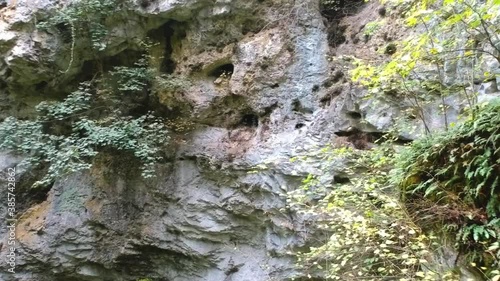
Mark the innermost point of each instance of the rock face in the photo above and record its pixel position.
(205, 217)
(261, 90)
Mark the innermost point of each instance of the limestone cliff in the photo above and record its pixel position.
(260, 89)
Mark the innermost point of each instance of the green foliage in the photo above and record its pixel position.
(368, 233)
(456, 33)
(133, 79)
(453, 179)
(85, 19)
(80, 137)
(75, 102)
(372, 27)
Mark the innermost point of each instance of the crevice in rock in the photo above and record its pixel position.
(326, 99)
(299, 125)
(298, 107)
(269, 109)
(26, 195)
(169, 36)
(366, 140)
(334, 12)
(359, 139)
(141, 257)
(337, 76)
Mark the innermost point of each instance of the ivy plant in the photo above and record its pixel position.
(72, 148)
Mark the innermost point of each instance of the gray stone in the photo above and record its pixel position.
(215, 211)
(488, 88)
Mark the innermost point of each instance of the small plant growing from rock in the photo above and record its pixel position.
(82, 137)
(133, 79)
(371, 28)
(82, 20)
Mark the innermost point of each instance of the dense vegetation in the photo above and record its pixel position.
(450, 184)
(389, 220)
(451, 52)
(66, 135)
(115, 112)
(402, 206)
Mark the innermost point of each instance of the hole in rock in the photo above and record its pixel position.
(382, 11)
(390, 49)
(326, 100)
(65, 31)
(337, 75)
(299, 125)
(298, 107)
(145, 3)
(41, 86)
(341, 180)
(249, 120)
(354, 115)
(225, 69)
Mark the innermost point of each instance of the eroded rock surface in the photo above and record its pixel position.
(205, 217)
(261, 90)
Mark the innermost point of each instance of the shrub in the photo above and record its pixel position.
(83, 19)
(452, 181)
(368, 234)
(73, 148)
(460, 33)
(133, 79)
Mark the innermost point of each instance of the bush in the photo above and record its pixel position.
(368, 234)
(452, 181)
(83, 19)
(422, 68)
(80, 138)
